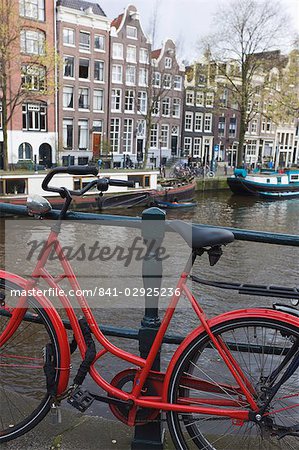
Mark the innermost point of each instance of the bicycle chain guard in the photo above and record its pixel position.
(125, 381)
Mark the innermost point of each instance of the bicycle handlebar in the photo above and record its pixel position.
(71, 170)
(101, 183)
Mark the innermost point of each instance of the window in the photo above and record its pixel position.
(197, 146)
(131, 53)
(33, 77)
(33, 9)
(199, 98)
(177, 82)
(198, 121)
(208, 123)
(221, 126)
(188, 121)
(117, 73)
(98, 100)
(168, 63)
(131, 32)
(84, 68)
(68, 36)
(99, 42)
(68, 131)
(164, 135)
(156, 79)
(167, 80)
(232, 127)
(209, 99)
(84, 40)
(253, 126)
(223, 98)
(98, 71)
(68, 66)
(115, 135)
(142, 102)
(129, 100)
(130, 75)
(117, 50)
(143, 56)
(33, 42)
(116, 100)
(176, 107)
(25, 151)
(188, 145)
(143, 76)
(128, 135)
(251, 147)
(154, 135)
(190, 98)
(266, 124)
(68, 160)
(166, 106)
(83, 134)
(83, 98)
(156, 108)
(34, 117)
(97, 125)
(68, 97)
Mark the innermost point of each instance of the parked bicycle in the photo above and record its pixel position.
(233, 382)
(182, 171)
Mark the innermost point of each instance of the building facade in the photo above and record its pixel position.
(32, 133)
(83, 47)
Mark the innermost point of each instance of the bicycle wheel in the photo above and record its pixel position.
(259, 346)
(23, 386)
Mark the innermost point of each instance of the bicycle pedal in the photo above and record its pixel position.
(81, 400)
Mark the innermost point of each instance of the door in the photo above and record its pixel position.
(174, 145)
(45, 155)
(139, 150)
(96, 145)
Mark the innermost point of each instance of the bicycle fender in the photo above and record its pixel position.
(60, 330)
(225, 317)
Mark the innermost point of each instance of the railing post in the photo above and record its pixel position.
(150, 436)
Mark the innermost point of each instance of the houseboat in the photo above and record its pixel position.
(15, 188)
(266, 184)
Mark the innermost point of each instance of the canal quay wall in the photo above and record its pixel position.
(212, 184)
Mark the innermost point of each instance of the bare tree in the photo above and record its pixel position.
(14, 85)
(244, 36)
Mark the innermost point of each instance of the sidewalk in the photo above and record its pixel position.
(76, 432)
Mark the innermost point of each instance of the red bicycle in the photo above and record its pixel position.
(233, 382)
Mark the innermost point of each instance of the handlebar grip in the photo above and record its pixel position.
(82, 170)
(121, 183)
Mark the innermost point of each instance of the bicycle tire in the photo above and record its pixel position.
(24, 403)
(209, 432)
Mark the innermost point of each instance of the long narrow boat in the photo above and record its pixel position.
(175, 205)
(266, 184)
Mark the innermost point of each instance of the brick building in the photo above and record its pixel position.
(83, 46)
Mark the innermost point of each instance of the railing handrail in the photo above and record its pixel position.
(135, 222)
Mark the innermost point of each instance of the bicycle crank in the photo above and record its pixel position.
(125, 381)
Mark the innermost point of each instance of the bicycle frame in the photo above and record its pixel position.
(161, 380)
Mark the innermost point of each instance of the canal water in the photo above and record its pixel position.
(245, 262)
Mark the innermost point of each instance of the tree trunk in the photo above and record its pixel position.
(147, 142)
(242, 131)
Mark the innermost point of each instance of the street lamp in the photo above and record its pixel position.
(160, 148)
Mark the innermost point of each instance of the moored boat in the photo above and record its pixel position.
(266, 184)
(14, 188)
(175, 205)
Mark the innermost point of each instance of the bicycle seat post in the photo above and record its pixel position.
(150, 436)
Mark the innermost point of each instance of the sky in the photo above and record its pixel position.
(184, 21)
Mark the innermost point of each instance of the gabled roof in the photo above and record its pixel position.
(82, 5)
(116, 22)
(156, 53)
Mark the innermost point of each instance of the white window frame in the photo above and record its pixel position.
(117, 73)
(199, 98)
(143, 76)
(166, 107)
(131, 54)
(142, 102)
(72, 60)
(32, 42)
(176, 107)
(83, 137)
(84, 92)
(154, 135)
(129, 100)
(117, 50)
(168, 62)
(101, 71)
(197, 146)
(131, 32)
(70, 32)
(84, 65)
(68, 97)
(188, 121)
(128, 129)
(102, 42)
(115, 125)
(82, 45)
(198, 122)
(164, 135)
(177, 82)
(167, 78)
(116, 100)
(98, 100)
(130, 75)
(190, 98)
(143, 55)
(65, 123)
(209, 100)
(188, 144)
(208, 120)
(156, 79)
(32, 9)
